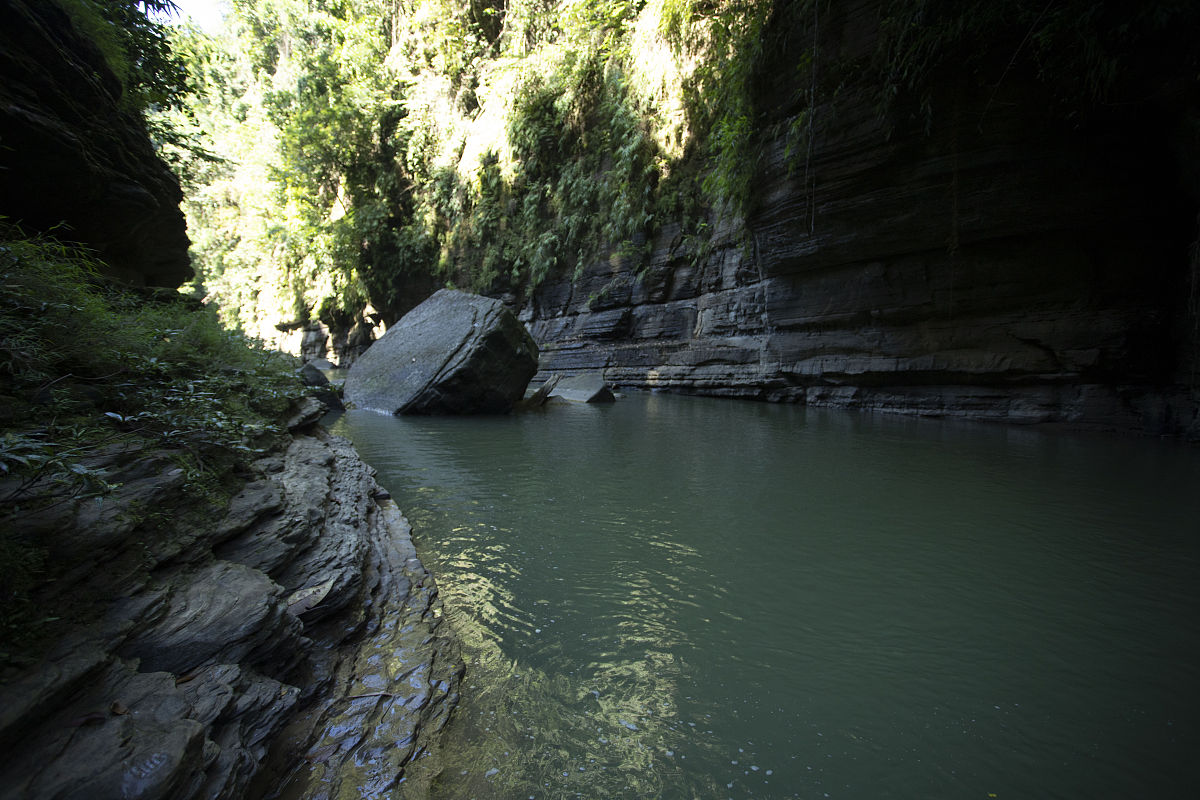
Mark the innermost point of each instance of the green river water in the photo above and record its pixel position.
(685, 597)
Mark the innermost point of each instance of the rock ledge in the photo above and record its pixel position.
(293, 646)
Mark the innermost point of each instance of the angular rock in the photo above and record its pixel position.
(142, 734)
(321, 388)
(243, 710)
(255, 501)
(270, 544)
(456, 353)
(315, 342)
(305, 413)
(311, 374)
(57, 678)
(586, 388)
(538, 397)
(126, 734)
(335, 554)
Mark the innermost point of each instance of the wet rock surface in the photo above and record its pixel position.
(201, 677)
(385, 705)
(456, 353)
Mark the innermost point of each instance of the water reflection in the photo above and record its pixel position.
(572, 634)
(675, 597)
(539, 716)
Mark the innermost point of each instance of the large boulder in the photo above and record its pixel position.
(456, 353)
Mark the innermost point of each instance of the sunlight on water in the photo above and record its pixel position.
(679, 597)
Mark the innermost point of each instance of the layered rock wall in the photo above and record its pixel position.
(994, 261)
(340, 343)
(290, 642)
(74, 159)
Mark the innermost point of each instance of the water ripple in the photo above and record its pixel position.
(679, 598)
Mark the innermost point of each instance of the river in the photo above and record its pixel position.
(686, 597)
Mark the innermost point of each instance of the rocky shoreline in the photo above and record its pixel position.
(288, 645)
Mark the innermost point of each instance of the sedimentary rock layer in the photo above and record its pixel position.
(292, 641)
(993, 260)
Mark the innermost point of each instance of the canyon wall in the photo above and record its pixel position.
(982, 256)
(76, 160)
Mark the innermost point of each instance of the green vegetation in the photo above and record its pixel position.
(136, 48)
(152, 72)
(87, 368)
(375, 151)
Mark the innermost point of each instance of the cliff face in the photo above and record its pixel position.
(69, 154)
(998, 262)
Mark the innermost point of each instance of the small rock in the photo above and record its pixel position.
(312, 375)
(586, 388)
(308, 412)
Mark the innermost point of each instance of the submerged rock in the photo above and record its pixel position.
(311, 374)
(539, 396)
(456, 353)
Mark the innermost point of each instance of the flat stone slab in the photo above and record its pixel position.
(456, 353)
(586, 388)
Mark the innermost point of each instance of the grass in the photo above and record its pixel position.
(86, 367)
